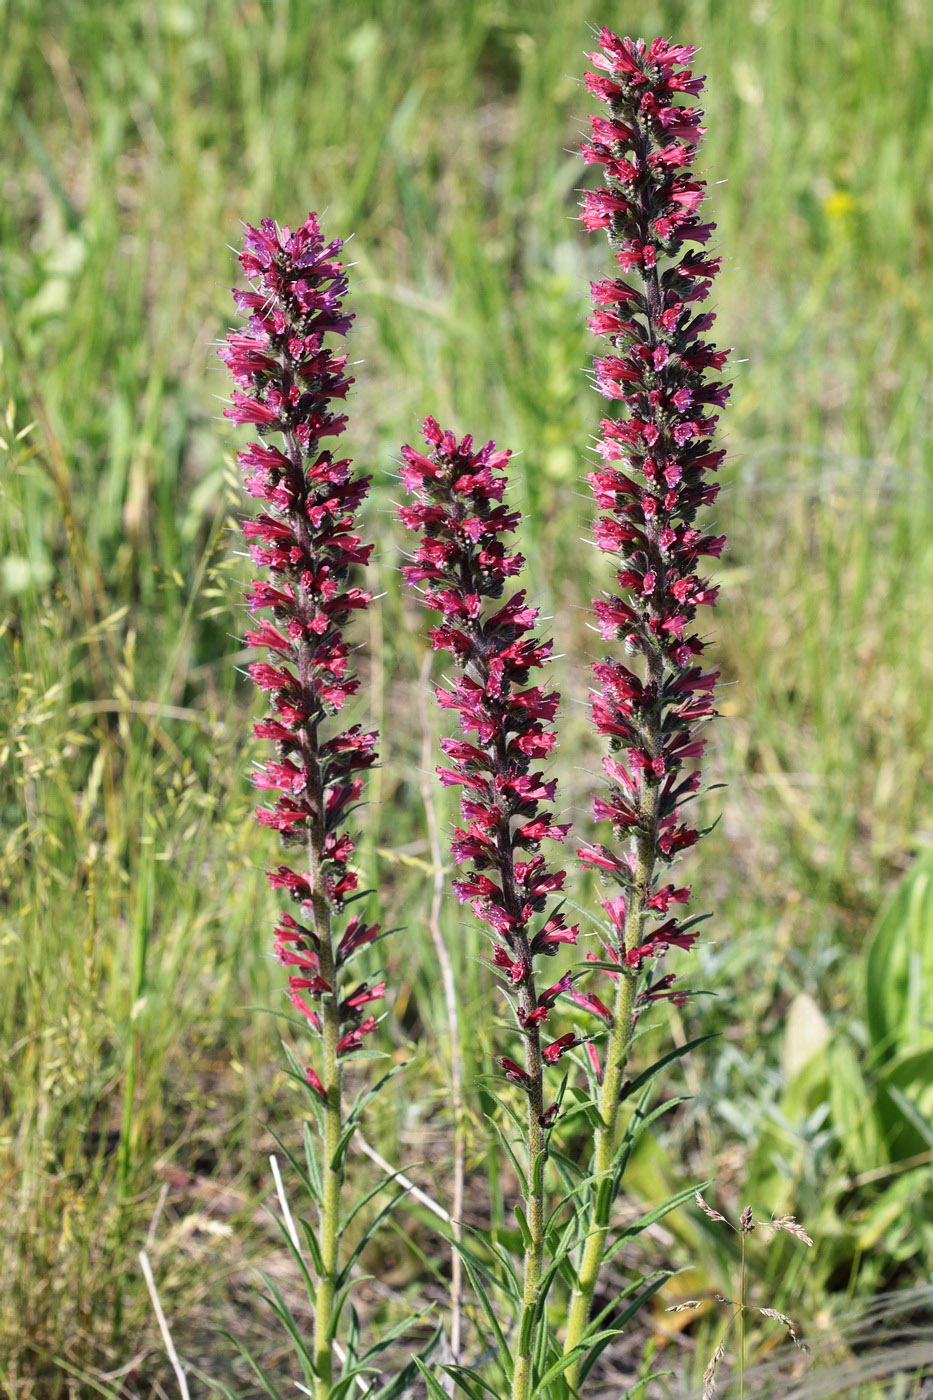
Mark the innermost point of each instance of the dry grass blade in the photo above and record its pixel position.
(163, 1327)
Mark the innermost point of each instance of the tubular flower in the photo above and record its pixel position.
(656, 474)
(289, 381)
(289, 385)
(461, 567)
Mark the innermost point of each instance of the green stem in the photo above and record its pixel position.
(329, 1232)
(534, 1067)
(534, 1203)
(607, 1133)
(742, 1323)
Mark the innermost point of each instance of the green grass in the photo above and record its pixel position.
(135, 918)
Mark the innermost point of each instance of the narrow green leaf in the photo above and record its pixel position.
(402, 1383)
(435, 1390)
(523, 1226)
(675, 1054)
(295, 1165)
(469, 1382)
(505, 1355)
(527, 1331)
(912, 1113)
(314, 1170)
(370, 1231)
(340, 1298)
(367, 1095)
(340, 1152)
(561, 1365)
(597, 1347)
(516, 1164)
(271, 1390)
(296, 1254)
(361, 1204)
(509, 1282)
(650, 1217)
(386, 1338)
(314, 1248)
(279, 1306)
(537, 1172)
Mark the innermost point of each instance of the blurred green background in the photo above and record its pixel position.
(137, 1087)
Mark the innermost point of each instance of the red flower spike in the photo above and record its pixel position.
(461, 565)
(659, 458)
(289, 378)
(653, 478)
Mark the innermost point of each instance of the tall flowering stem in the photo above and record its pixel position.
(461, 567)
(655, 477)
(288, 382)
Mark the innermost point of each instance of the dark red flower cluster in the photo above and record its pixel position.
(656, 472)
(288, 381)
(504, 724)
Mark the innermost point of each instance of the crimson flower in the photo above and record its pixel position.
(656, 475)
(289, 380)
(461, 567)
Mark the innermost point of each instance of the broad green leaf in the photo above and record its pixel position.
(905, 1104)
(853, 1109)
(899, 966)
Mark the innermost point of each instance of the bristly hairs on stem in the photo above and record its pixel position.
(288, 381)
(654, 478)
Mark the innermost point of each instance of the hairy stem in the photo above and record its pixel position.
(534, 1200)
(453, 1027)
(623, 1017)
(333, 1119)
(536, 1141)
